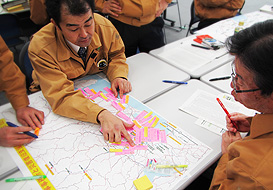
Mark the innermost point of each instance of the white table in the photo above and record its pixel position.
(184, 56)
(225, 28)
(222, 85)
(167, 106)
(146, 74)
(7, 165)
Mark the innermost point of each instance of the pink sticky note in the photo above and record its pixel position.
(129, 151)
(125, 117)
(95, 96)
(123, 100)
(115, 105)
(141, 115)
(147, 124)
(163, 136)
(157, 135)
(112, 97)
(108, 90)
(88, 91)
(138, 137)
(140, 147)
(143, 120)
(150, 135)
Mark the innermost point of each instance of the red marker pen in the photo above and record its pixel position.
(224, 108)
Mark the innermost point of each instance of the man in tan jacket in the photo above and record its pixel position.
(138, 22)
(12, 82)
(247, 163)
(55, 53)
(211, 11)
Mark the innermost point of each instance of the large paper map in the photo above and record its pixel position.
(79, 158)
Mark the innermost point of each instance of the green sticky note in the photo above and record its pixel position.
(143, 183)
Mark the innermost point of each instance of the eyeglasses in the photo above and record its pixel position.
(234, 78)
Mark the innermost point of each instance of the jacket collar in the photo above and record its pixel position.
(261, 124)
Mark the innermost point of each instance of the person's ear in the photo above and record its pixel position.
(55, 24)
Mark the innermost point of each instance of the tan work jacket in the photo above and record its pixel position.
(248, 164)
(12, 80)
(38, 12)
(134, 12)
(217, 9)
(56, 64)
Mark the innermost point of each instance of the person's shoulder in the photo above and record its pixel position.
(46, 36)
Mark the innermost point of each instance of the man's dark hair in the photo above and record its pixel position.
(254, 48)
(75, 7)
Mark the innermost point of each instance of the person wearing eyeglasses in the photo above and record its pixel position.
(246, 163)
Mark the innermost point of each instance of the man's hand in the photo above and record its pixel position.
(13, 136)
(240, 120)
(113, 127)
(111, 7)
(122, 85)
(29, 116)
(228, 138)
(162, 6)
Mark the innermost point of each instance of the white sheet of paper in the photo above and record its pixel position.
(189, 58)
(204, 105)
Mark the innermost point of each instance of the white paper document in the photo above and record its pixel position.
(225, 28)
(189, 58)
(204, 105)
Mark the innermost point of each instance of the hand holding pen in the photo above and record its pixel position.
(15, 136)
(228, 115)
(241, 121)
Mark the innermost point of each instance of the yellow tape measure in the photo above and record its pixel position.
(31, 164)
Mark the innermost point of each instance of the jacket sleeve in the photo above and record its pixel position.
(116, 57)
(230, 4)
(59, 91)
(220, 172)
(12, 80)
(38, 12)
(99, 4)
(133, 8)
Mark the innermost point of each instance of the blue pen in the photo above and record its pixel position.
(26, 132)
(175, 82)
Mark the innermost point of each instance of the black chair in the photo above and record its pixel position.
(172, 22)
(10, 30)
(25, 65)
(194, 19)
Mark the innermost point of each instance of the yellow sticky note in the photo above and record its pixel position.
(115, 142)
(143, 183)
(115, 150)
(103, 96)
(148, 115)
(126, 99)
(137, 124)
(121, 106)
(155, 122)
(145, 131)
(3, 123)
(93, 91)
